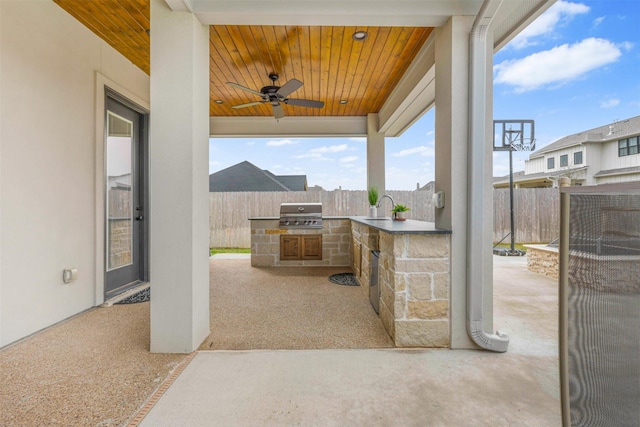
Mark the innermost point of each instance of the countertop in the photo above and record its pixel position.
(410, 226)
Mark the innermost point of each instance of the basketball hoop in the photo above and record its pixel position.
(513, 135)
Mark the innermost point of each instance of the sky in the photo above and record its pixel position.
(575, 68)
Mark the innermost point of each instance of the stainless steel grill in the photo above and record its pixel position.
(301, 215)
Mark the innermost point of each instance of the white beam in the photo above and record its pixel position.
(429, 13)
(288, 126)
(180, 5)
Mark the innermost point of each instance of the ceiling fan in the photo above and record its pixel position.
(275, 95)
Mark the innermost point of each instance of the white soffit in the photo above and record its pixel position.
(413, 95)
(246, 127)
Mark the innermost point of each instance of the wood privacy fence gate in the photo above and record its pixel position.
(536, 211)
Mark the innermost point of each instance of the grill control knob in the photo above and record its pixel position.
(296, 223)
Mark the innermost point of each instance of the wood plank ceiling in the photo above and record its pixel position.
(332, 65)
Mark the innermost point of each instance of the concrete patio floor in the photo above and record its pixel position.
(62, 377)
(386, 387)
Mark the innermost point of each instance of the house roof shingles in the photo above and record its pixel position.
(609, 132)
(245, 176)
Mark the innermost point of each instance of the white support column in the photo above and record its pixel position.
(375, 155)
(451, 129)
(179, 211)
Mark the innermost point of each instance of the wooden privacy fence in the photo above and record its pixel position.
(229, 226)
(536, 212)
(229, 213)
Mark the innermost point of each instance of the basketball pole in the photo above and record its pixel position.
(513, 228)
(510, 138)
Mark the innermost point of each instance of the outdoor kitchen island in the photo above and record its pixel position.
(413, 269)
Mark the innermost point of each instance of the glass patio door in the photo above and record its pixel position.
(125, 230)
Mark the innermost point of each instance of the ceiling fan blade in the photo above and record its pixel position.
(236, 85)
(278, 113)
(289, 87)
(305, 103)
(248, 104)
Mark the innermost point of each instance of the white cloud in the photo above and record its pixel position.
(558, 65)
(609, 103)
(598, 21)
(319, 152)
(626, 46)
(330, 149)
(280, 142)
(312, 156)
(546, 23)
(348, 159)
(421, 150)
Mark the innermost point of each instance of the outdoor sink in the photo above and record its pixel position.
(379, 218)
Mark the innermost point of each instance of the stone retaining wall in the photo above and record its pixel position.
(543, 260)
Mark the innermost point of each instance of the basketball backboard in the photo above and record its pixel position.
(514, 135)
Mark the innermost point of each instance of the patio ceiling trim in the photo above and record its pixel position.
(420, 13)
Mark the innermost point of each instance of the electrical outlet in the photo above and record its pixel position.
(69, 275)
(438, 199)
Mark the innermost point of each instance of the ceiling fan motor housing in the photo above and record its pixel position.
(269, 90)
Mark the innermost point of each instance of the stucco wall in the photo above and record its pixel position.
(48, 162)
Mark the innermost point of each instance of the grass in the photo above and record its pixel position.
(213, 251)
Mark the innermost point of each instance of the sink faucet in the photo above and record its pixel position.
(393, 205)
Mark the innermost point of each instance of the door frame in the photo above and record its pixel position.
(107, 88)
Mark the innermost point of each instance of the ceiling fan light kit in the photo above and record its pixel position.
(276, 95)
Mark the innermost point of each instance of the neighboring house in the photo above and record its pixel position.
(246, 176)
(603, 155)
(120, 182)
(429, 186)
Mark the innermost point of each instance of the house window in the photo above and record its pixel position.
(628, 146)
(577, 158)
(564, 160)
(551, 163)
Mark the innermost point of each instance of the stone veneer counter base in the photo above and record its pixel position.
(265, 242)
(413, 276)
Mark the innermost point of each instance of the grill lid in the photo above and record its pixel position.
(301, 209)
(301, 215)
